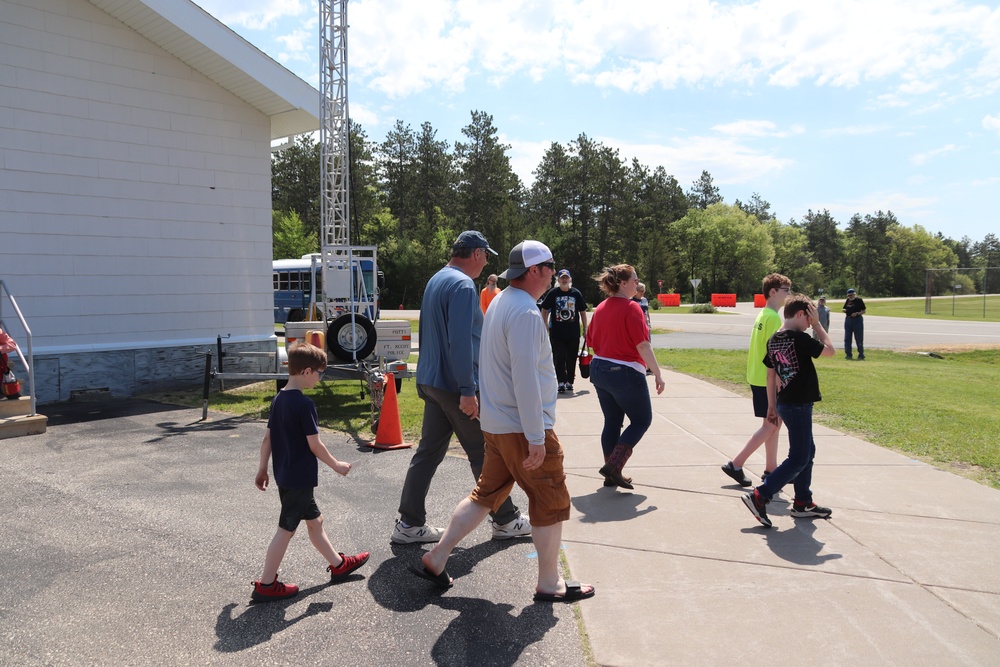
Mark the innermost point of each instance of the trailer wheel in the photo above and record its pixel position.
(399, 385)
(347, 338)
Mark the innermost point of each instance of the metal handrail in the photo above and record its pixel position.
(29, 363)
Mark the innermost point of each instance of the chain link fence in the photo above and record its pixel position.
(965, 293)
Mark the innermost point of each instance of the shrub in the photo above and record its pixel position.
(703, 308)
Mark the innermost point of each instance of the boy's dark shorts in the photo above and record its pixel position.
(296, 505)
(759, 401)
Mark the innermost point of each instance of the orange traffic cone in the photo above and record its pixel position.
(390, 431)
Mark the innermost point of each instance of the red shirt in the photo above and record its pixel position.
(616, 328)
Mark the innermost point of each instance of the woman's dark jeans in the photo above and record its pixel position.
(622, 392)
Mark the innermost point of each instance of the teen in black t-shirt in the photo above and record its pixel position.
(792, 388)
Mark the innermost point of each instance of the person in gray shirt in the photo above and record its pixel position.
(518, 416)
(451, 324)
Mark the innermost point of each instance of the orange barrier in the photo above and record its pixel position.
(390, 431)
(759, 301)
(669, 299)
(724, 300)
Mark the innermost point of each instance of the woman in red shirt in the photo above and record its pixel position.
(622, 353)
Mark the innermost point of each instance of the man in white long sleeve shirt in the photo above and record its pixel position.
(518, 396)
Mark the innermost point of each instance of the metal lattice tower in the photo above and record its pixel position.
(334, 131)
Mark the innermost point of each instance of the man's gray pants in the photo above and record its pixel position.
(442, 418)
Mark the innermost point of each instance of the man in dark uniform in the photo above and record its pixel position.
(854, 324)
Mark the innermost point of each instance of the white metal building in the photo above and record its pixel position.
(135, 198)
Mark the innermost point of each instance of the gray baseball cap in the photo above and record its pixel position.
(525, 255)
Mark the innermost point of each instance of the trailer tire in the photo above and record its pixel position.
(345, 338)
(399, 385)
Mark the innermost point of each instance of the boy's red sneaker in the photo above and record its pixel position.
(273, 591)
(350, 564)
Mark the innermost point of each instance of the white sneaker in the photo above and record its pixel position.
(519, 527)
(415, 534)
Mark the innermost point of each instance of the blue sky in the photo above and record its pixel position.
(847, 105)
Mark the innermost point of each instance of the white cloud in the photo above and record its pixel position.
(853, 130)
(756, 128)
(256, 14)
(636, 45)
(992, 123)
(728, 160)
(986, 181)
(904, 206)
(922, 158)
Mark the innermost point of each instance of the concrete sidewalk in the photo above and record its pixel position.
(905, 572)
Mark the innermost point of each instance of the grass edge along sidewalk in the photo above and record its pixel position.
(939, 410)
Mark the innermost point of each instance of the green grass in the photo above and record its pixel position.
(340, 405)
(939, 410)
(966, 308)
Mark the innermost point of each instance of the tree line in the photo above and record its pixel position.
(413, 193)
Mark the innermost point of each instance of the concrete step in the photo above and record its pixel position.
(15, 427)
(15, 408)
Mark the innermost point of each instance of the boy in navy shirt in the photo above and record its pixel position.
(292, 443)
(792, 388)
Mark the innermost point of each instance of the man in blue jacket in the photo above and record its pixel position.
(451, 324)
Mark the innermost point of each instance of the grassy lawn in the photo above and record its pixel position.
(340, 405)
(966, 308)
(939, 410)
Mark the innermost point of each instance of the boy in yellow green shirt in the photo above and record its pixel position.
(775, 288)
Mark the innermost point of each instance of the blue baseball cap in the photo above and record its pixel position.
(473, 239)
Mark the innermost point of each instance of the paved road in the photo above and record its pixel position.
(730, 330)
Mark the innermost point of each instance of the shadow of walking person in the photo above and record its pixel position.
(487, 634)
(605, 505)
(798, 545)
(394, 587)
(260, 622)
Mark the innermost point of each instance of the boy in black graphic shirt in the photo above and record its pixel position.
(792, 388)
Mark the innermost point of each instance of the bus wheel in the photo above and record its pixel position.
(296, 315)
(349, 337)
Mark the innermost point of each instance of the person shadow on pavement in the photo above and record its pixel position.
(484, 633)
(797, 544)
(396, 588)
(487, 634)
(260, 622)
(606, 505)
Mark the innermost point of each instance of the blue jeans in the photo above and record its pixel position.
(855, 326)
(622, 391)
(797, 418)
(442, 418)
